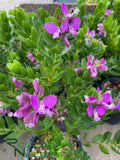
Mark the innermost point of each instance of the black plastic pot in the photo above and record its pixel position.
(113, 118)
(33, 139)
(3, 136)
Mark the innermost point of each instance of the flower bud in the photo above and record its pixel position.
(41, 91)
(36, 85)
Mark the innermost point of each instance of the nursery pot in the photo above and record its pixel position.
(6, 126)
(112, 83)
(3, 136)
(33, 139)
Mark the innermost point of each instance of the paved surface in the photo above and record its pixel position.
(10, 4)
(7, 152)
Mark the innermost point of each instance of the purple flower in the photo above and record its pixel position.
(18, 83)
(53, 29)
(96, 116)
(100, 64)
(24, 98)
(3, 111)
(98, 107)
(31, 119)
(89, 111)
(58, 17)
(46, 106)
(93, 72)
(23, 111)
(30, 56)
(76, 61)
(93, 65)
(90, 100)
(67, 44)
(69, 25)
(78, 70)
(92, 33)
(101, 30)
(36, 85)
(41, 91)
(108, 11)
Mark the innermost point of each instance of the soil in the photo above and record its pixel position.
(38, 151)
(112, 85)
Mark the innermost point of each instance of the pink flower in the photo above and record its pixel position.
(92, 33)
(101, 30)
(108, 11)
(36, 85)
(31, 119)
(24, 98)
(53, 29)
(46, 106)
(67, 44)
(23, 111)
(18, 83)
(3, 111)
(89, 111)
(78, 70)
(90, 100)
(100, 64)
(93, 65)
(98, 107)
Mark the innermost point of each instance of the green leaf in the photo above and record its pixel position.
(3, 88)
(57, 77)
(30, 72)
(14, 135)
(26, 27)
(29, 43)
(43, 14)
(103, 149)
(65, 51)
(105, 136)
(87, 144)
(64, 142)
(23, 71)
(34, 34)
(116, 137)
(96, 138)
(85, 136)
(115, 150)
(21, 123)
(48, 39)
(2, 78)
(2, 123)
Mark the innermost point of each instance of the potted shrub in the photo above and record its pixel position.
(51, 77)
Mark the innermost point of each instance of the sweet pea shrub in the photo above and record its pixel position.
(49, 66)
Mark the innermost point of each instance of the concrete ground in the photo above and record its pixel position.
(7, 152)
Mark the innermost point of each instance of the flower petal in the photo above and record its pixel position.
(64, 25)
(89, 111)
(35, 102)
(100, 110)
(67, 44)
(50, 101)
(64, 9)
(50, 27)
(117, 106)
(23, 111)
(75, 23)
(96, 116)
(31, 119)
